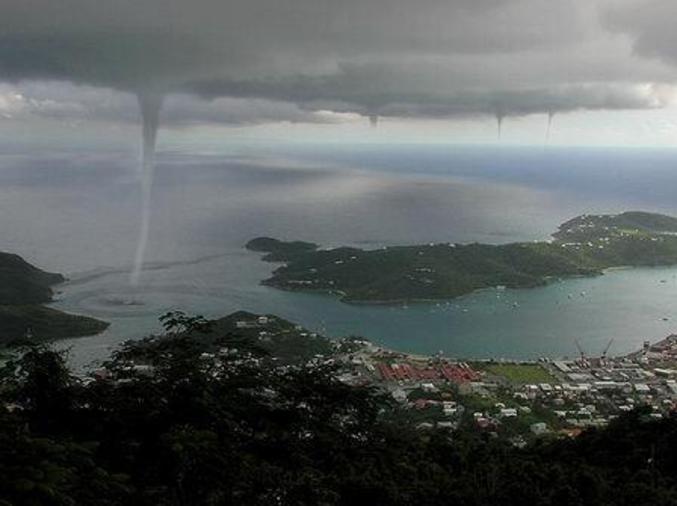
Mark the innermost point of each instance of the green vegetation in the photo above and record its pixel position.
(528, 412)
(521, 373)
(584, 246)
(279, 251)
(191, 428)
(277, 337)
(22, 283)
(45, 323)
(585, 227)
(268, 335)
(23, 288)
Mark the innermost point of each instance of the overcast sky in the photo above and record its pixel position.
(429, 70)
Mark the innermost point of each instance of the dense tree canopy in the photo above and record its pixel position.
(190, 428)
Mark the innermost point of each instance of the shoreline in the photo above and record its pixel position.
(341, 296)
(326, 294)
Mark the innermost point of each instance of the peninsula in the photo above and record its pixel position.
(583, 246)
(24, 289)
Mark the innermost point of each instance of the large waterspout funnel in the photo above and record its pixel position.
(150, 105)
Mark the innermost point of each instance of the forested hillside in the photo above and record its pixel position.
(193, 428)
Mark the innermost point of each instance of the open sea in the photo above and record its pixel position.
(76, 211)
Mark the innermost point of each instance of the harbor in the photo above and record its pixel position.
(523, 398)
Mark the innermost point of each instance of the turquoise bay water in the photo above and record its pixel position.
(628, 305)
(77, 213)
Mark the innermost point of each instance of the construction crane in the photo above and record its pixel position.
(584, 358)
(580, 349)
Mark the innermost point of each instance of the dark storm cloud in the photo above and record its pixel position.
(651, 24)
(70, 103)
(387, 57)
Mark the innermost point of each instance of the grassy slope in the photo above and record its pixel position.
(521, 373)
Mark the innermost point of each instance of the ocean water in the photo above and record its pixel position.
(76, 212)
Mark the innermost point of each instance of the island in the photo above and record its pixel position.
(24, 289)
(583, 246)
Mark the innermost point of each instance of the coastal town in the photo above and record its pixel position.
(516, 399)
(523, 398)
